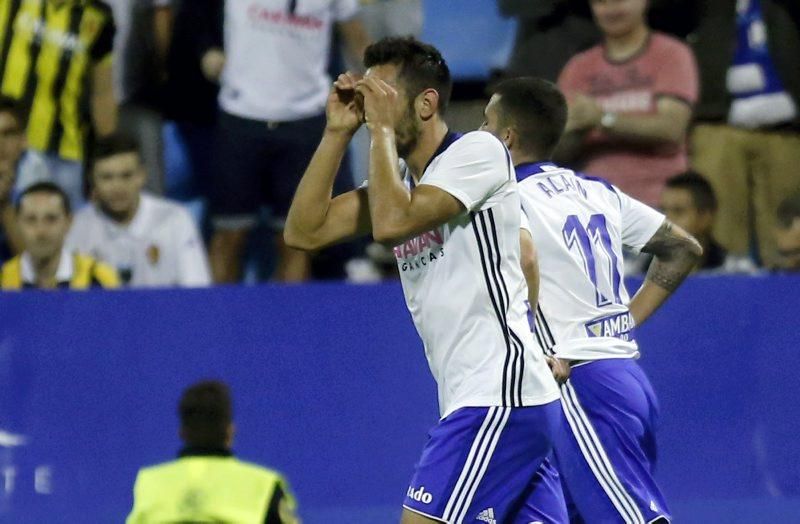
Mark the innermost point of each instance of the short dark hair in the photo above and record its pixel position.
(48, 188)
(114, 144)
(421, 65)
(537, 109)
(698, 186)
(15, 109)
(789, 210)
(206, 412)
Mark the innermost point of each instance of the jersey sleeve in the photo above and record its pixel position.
(193, 270)
(639, 222)
(472, 170)
(677, 75)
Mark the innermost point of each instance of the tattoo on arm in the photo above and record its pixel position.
(676, 252)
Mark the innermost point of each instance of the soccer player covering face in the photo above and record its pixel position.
(451, 211)
(584, 317)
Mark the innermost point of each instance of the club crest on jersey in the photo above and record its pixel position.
(616, 326)
(421, 251)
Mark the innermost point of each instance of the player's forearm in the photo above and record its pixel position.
(389, 200)
(675, 255)
(647, 300)
(312, 199)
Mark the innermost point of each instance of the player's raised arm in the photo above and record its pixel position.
(315, 218)
(675, 252)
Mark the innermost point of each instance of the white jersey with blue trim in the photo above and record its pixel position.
(464, 287)
(579, 225)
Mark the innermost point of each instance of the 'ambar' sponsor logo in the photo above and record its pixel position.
(615, 326)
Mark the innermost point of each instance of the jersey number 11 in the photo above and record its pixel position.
(591, 241)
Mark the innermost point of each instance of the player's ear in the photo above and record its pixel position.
(509, 137)
(427, 104)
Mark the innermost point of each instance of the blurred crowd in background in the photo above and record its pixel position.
(152, 143)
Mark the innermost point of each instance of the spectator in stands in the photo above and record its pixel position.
(689, 201)
(747, 137)
(43, 218)
(630, 101)
(140, 54)
(549, 33)
(151, 241)
(192, 86)
(273, 94)
(12, 147)
(207, 483)
(57, 62)
(787, 233)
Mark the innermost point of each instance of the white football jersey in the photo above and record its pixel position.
(160, 247)
(579, 225)
(464, 286)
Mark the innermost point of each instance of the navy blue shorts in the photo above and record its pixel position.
(480, 464)
(260, 165)
(606, 454)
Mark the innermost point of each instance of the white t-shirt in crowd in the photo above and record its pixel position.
(579, 225)
(464, 286)
(160, 247)
(275, 60)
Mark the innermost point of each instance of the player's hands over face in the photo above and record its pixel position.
(584, 113)
(560, 369)
(380, 101)
(343, 111)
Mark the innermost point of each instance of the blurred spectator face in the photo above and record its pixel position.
(408, 125)
(679, 206)
(618, 17)
(788, 241)
(43, 224)
(12, 145)
(118, 181)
